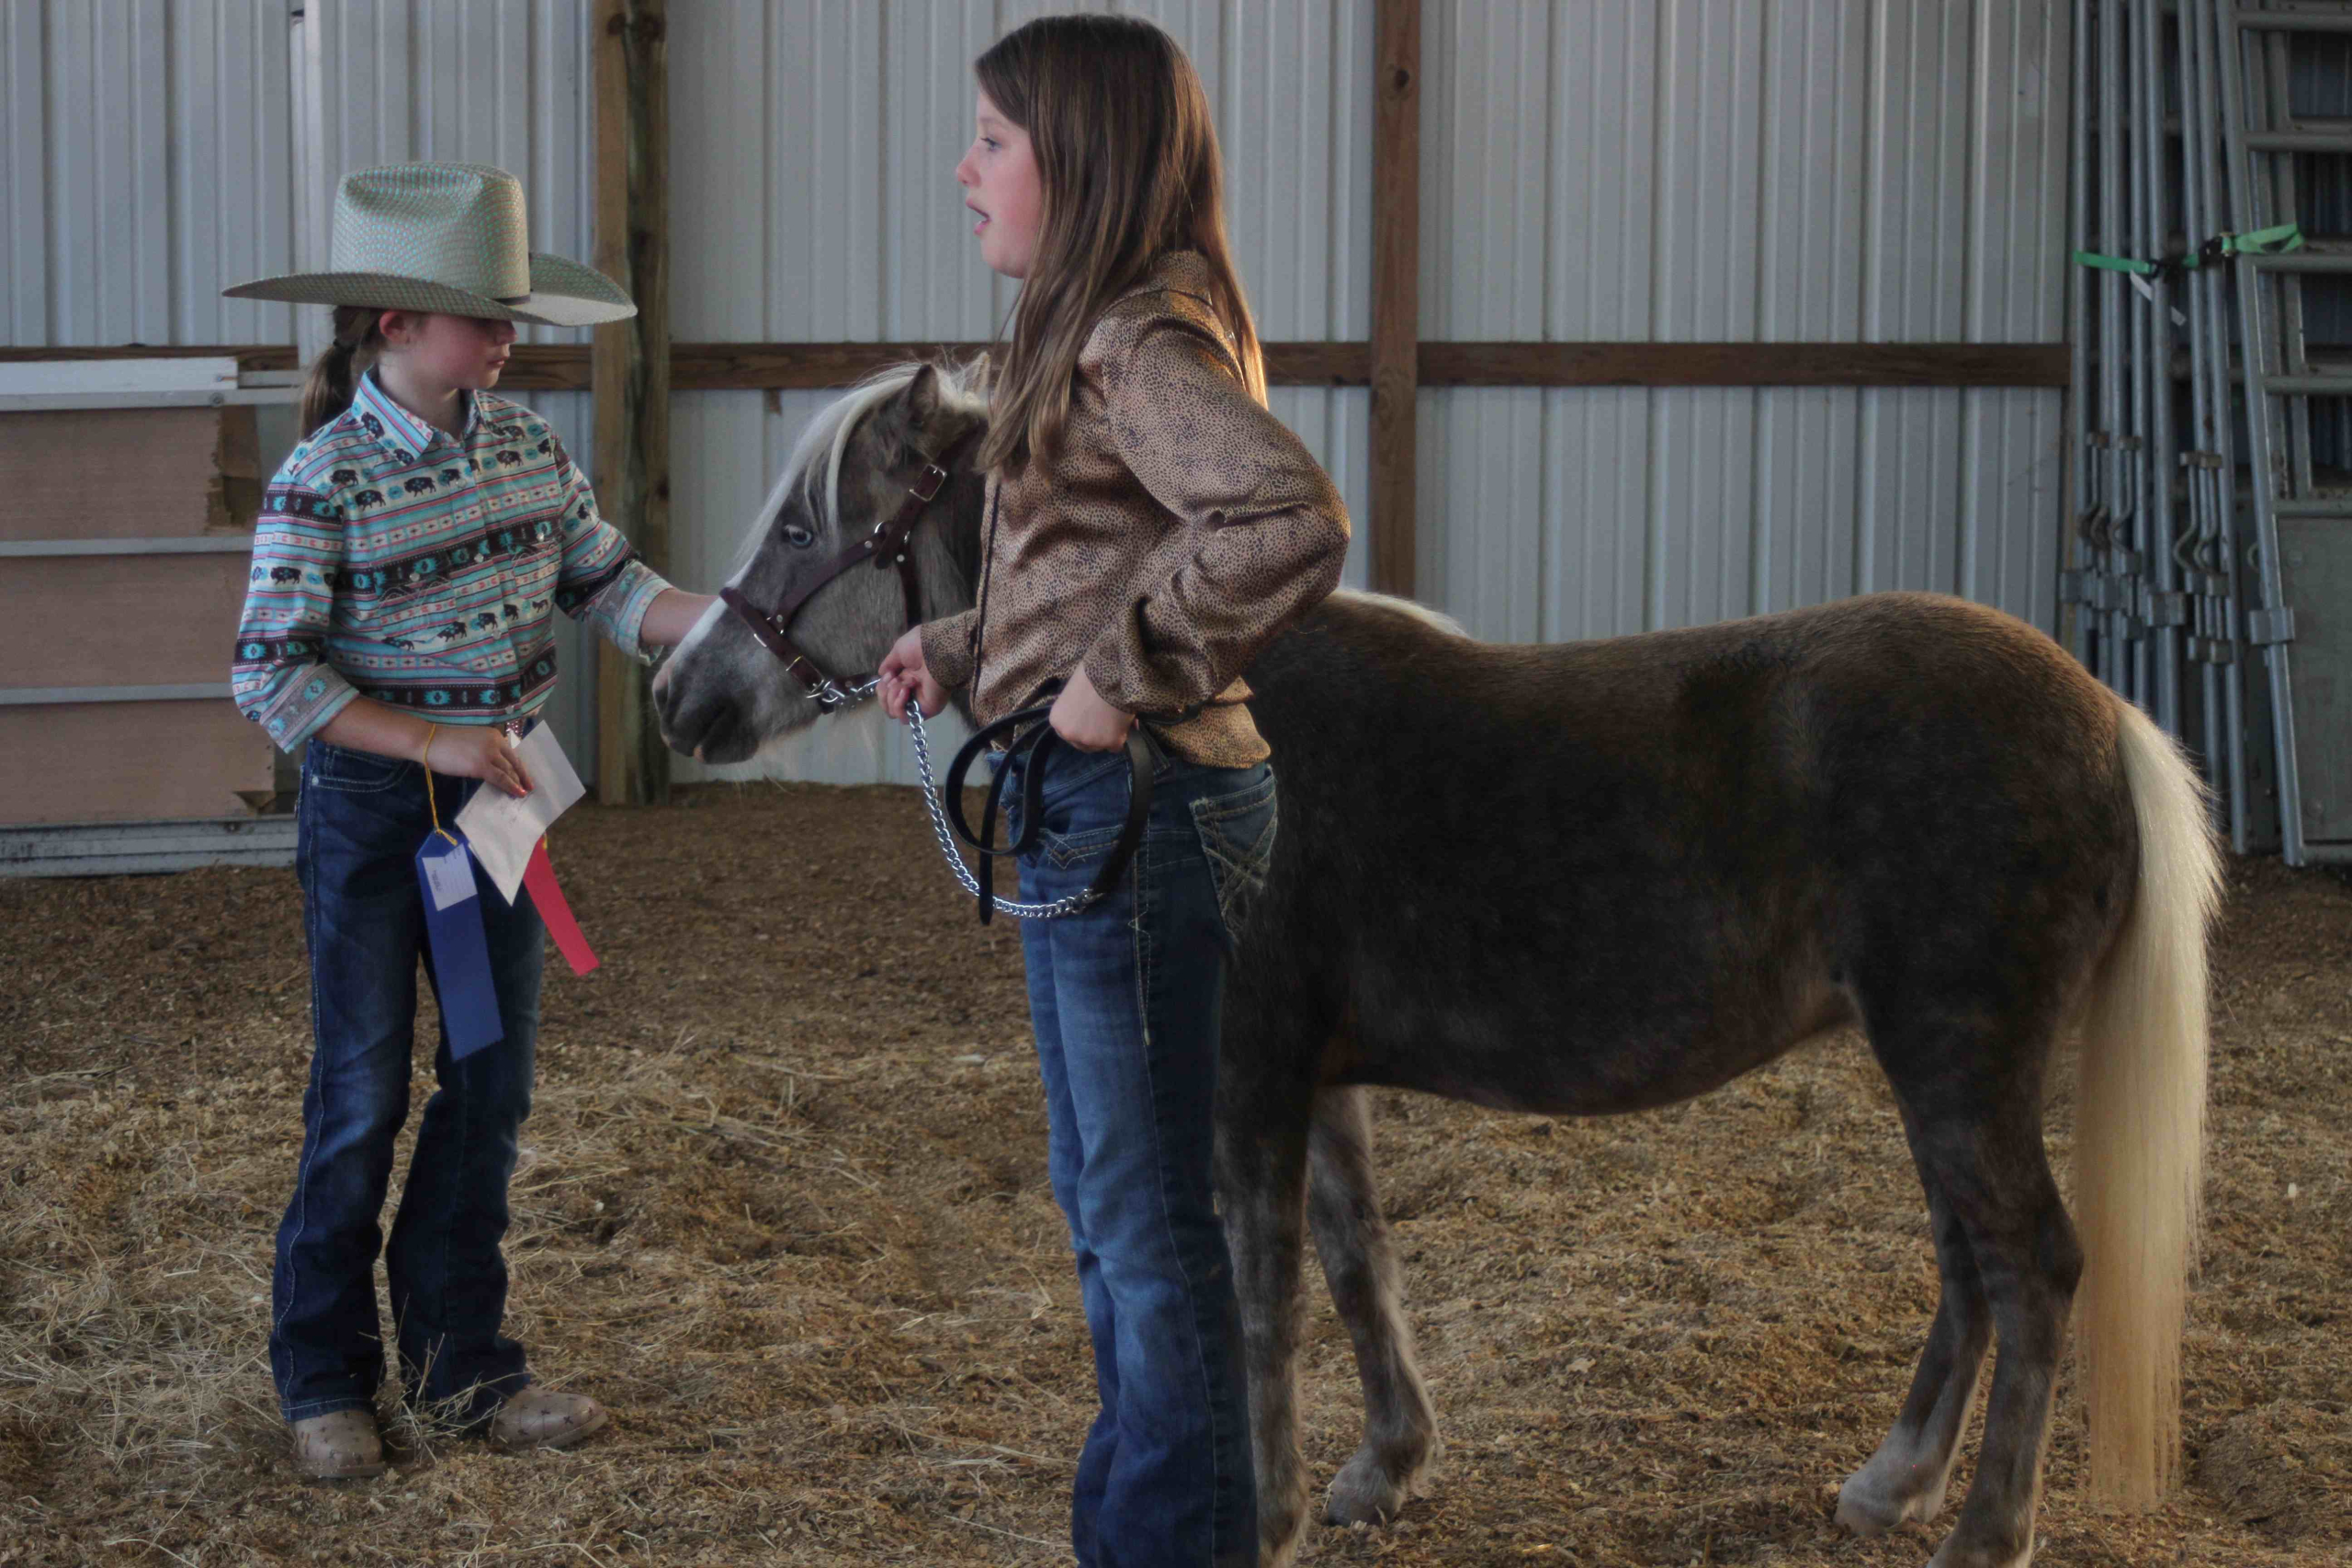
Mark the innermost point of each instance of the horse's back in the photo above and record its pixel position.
(1885, 704)
(1683, 848)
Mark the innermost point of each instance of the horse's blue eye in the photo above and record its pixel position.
(800, 538)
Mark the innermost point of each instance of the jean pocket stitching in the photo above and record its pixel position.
(1240, 803)
(323, 776)
(1249, 861)
(1237, 870)
(1065, 850)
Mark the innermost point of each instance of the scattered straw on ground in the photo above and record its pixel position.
(783, 1206)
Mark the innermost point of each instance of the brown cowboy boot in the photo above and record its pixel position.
(540, 1418)
(341, 1446)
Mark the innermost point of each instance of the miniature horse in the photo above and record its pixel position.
(1604, 877)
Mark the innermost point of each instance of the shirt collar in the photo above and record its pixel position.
(401, 432)
(1175, 272)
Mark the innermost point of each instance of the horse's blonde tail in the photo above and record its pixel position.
(2140, 1127)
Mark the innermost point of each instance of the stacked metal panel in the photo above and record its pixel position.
(2302, 512)
(2210, 555)
(2135, 608)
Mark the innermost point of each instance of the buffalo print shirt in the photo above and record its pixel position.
(395, 562)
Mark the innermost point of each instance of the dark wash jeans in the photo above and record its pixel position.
(1125, 999)
(360, 819)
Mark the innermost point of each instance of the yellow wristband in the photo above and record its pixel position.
(425, 756)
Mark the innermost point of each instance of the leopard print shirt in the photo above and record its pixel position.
(1180, 527)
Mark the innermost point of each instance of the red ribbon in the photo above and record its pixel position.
(538, 877)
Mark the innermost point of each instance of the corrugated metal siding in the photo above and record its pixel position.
(144, 165)
(146, 147)
(1628, 169)
(1709, 170)
(814, 154)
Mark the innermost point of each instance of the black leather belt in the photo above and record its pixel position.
(1031, 738)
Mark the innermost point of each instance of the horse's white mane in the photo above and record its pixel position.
(822, 444)
(1438, 619)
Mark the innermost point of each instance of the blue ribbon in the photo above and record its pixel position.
(453, 929)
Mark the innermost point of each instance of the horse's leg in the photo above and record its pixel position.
(1400, 1439)
(1265, 1096)
(1977, 1114)
(1905, 1479)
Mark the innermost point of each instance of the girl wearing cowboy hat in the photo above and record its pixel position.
(397, 618)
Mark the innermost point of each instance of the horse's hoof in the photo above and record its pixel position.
(1865, 1510)
(1953, 1553)
(1868, 1505)
(1365, 1492)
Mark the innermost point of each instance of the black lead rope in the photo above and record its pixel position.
(1032, 739)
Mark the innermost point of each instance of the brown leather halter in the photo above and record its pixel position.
(890, 543)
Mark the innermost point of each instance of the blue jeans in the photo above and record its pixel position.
(1124, 998)
(360, 819)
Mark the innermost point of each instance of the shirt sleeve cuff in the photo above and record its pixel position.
(947, 649)
(631, 594)
(312, 697)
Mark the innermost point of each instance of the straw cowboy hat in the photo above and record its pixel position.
(448, 238)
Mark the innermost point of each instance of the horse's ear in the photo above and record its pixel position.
(923, 401)
(905, 422)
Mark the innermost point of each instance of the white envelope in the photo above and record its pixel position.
(501, 830)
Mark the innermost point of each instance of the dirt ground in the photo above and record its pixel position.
(783, 1205)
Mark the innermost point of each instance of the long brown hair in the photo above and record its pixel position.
(1127, 155)
(334, 375)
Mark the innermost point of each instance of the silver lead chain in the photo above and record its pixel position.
(1061, 908)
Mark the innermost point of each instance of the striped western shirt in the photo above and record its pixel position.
(397, 562)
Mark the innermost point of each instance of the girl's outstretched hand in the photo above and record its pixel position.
(1083, 719)
(904, 674)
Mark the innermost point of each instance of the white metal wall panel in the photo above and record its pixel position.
(1789, 170)
(146, 145)
(144, 165)
(2012, 448)
(1737, 170)
(24, 102)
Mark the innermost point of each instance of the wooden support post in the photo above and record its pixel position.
(1396, 287)
(630, 361)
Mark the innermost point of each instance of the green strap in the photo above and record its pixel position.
(2274, 241)
(2269, 242)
